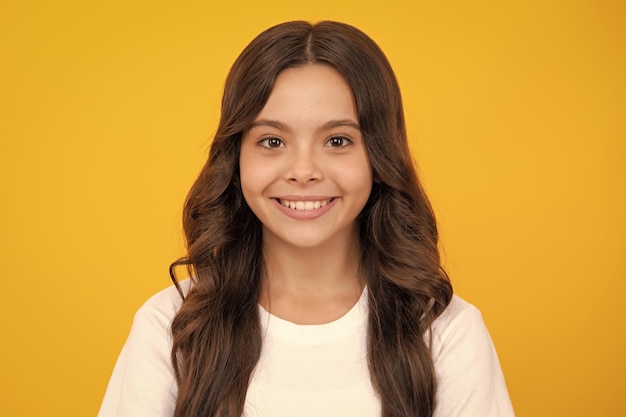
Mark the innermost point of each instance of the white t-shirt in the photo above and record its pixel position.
(311, 370)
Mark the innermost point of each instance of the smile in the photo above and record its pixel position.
(304, 205)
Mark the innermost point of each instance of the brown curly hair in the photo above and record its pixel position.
(216, 333)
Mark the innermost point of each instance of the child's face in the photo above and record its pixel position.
(303, 165)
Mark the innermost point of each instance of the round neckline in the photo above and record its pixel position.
(345, 326)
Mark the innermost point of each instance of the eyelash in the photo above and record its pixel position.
(266, 142)
(344, 141)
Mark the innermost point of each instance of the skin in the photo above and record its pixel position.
(305, 151)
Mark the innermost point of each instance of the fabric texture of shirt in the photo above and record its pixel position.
(311, 370)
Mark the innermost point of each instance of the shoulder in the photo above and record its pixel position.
(460, 326)
(457, 308)
(143, 381)
(470, 380)
(458, 311)
(153, 319)
(165, 303)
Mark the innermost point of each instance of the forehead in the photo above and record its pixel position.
(310, 93)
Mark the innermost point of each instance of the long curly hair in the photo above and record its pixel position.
(216, 334)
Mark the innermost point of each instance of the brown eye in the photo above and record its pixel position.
(271, 142)
(338, 142)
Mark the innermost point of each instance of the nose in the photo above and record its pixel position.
(304, 167)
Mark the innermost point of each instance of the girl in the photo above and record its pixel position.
(316, 288)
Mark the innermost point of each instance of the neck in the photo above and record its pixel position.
(311, 285)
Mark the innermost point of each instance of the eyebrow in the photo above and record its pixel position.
(270, 123)
(343, 122)
(283, 127)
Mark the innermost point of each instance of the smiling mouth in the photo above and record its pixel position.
(304, 205)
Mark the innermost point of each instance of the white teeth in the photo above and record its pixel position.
(304, 205)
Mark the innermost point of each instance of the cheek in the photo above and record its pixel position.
(255, 175)
(249, 183)
(357, 172)
(245, 176)
(355, 179)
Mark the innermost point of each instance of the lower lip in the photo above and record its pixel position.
(304, 214)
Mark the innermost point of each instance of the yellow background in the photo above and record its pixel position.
(516, 116)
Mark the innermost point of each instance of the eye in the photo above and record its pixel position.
(338, 142)
(271, 142)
